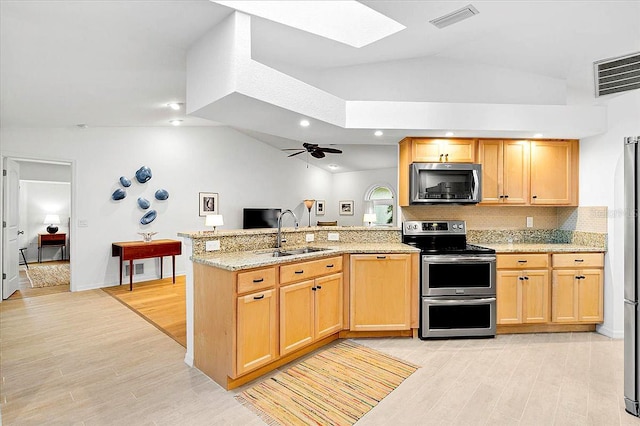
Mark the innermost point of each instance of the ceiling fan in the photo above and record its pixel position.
(313, 149)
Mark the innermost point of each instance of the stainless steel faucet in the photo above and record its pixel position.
(279, 239)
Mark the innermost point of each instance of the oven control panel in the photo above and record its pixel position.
(434, 227)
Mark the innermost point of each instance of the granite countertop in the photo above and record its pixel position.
(236, 261)
(542, 248)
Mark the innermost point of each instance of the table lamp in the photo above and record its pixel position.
(308, 204)
(369, 218)
(214, 220)
(52, 219)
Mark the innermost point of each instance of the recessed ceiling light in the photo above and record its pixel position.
(304, 123)
(175, 105)
(449, 134)
(175, 122)
(378, 133)
(82, 126)
(538, 135)
(333, 166)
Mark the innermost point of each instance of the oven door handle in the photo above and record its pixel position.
(461, 301)
(449, 259)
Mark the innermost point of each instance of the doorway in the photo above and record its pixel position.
(43, 195)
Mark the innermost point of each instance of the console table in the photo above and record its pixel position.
(51, 240)
(131, 250)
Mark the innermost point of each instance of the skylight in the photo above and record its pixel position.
(346, 21)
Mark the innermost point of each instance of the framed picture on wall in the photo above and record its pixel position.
(319, 207)
(208, 203)
(345, 208)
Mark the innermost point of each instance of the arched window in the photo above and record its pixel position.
(379, 199)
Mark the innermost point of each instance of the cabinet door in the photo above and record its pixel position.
(427, 150)
(328, 305)
(380, 292)
(490, 156)
(515, 180)
(535, 297)
(458, 150)
(564, 296)
(256, 331)
(590, 296)
(509, 297)
(296, 316)
(554, 172)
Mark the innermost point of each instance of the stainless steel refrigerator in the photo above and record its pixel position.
(631, 265)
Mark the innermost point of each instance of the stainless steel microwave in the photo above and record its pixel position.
(451, 183)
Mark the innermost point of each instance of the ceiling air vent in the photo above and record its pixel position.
(617, 74)
(455, 16)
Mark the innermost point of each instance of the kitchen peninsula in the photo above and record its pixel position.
(251, 311)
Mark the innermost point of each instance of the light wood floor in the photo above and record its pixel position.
(160, 302)
(25, 289)
(83, 358)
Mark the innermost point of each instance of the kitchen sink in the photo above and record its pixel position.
(281, 253)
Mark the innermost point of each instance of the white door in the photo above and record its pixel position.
(10, 281)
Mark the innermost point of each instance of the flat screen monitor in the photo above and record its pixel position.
(260, 218)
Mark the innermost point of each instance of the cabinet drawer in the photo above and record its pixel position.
(256, 280)
(578, 260)
(306, 270)
(522, 261)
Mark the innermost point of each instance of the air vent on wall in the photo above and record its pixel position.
(455, 16)
(617, 74)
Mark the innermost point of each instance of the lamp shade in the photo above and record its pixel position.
(214, 220)
(51, 219)
(369, 217)
(309, 203)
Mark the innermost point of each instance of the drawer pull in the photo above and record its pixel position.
(258, 297)
(299, 272)
(259, 280)
(381, 257)
(330, 265)
(522, 261)
(578, 260)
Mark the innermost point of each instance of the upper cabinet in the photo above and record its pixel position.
(505, 171)
(554, 173)
(443, 150)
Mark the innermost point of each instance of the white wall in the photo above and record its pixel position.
(37, 199)
(353, 186)
(184, 161)
(601, 183)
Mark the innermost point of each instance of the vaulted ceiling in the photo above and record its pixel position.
(116, 63)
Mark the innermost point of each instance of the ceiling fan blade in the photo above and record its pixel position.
(317, 154)
(330, 150)
(295, 153)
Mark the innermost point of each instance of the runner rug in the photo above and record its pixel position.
(337, 386)
(48, 275)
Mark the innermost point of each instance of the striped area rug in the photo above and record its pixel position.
(336, 386)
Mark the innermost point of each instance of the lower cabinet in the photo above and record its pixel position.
(309, 310)
(257, 334)
(522, 297)
(578, 288)
(380, 292)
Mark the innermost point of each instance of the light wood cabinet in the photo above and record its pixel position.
(380, 292)
(309, 310)
(554, 172)
(577, 292)
(256, 331)
(522, 290)
(443, 150)
(505, 171)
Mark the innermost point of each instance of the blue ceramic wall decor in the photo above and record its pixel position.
(118, 194)
(143, 203)
(143, 174)
(148, 217)
(125, 182)
(162, 194)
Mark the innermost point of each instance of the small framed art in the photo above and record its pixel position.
(345, 208)
(319, 207)
(208, 203)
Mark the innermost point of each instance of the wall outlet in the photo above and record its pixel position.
(212, 245)
(309, 238)
(529, 222)
(333, 236)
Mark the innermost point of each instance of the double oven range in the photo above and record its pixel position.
(457, 280)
